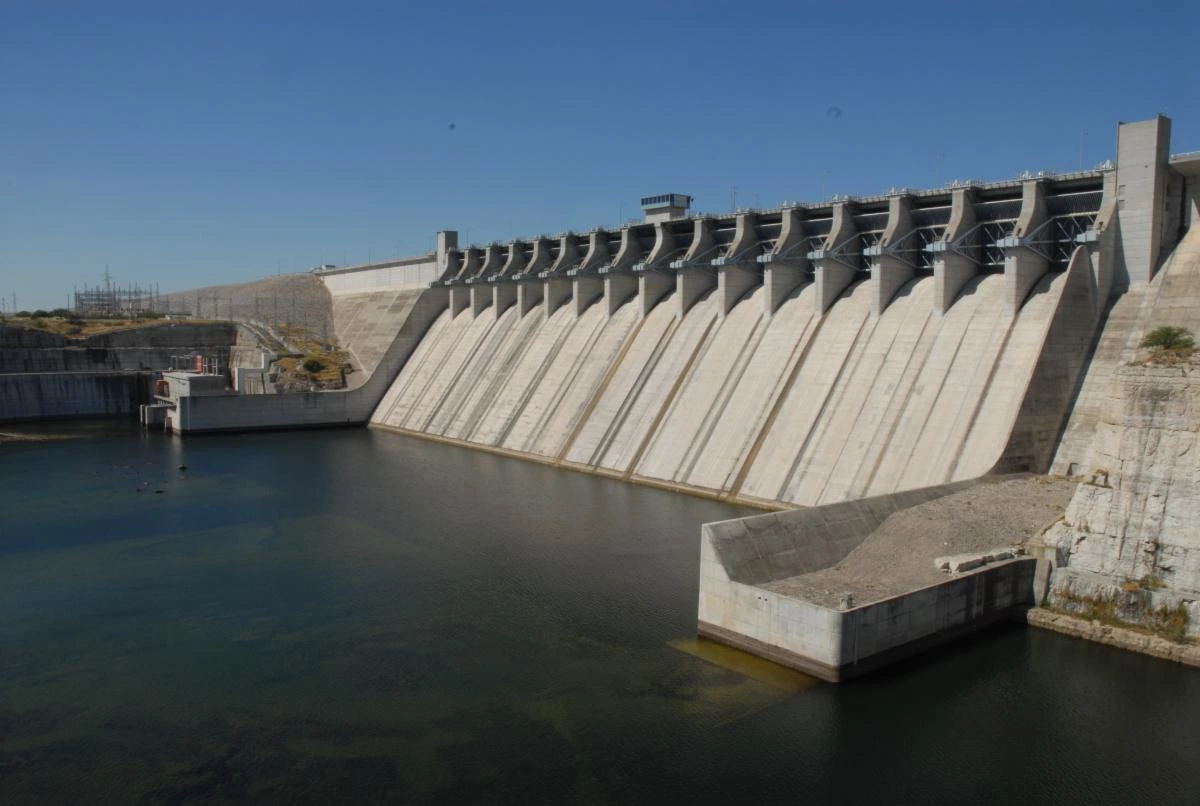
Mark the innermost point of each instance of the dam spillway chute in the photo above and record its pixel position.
(800, 356)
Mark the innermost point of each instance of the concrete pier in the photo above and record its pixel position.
(1024, 263)
(837, 262)
(953, 268)
(889, 270)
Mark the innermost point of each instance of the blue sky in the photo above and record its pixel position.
(187, 144)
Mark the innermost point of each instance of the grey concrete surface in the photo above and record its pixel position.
(142, 348)
(71, 395)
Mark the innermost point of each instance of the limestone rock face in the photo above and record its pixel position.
(1135, 523)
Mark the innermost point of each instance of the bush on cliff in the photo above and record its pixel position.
(1175, 339)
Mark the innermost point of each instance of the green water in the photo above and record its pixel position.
(353, 616)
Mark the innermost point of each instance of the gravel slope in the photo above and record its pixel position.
(898, 556)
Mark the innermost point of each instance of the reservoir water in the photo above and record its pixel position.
(354, 616)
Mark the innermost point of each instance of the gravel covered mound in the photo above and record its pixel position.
(898, 556)
(298, 301)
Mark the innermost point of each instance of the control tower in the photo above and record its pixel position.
(665, 206)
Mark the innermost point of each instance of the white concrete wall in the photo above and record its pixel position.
(558, 404)
(798, 407)
(738, 556)
(416, 273)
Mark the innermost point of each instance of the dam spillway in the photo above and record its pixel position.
(797, 357)
(794, 357)
(795, 407)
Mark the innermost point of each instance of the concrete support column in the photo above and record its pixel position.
(832, 278)
(1023, 267)
(529, 294)
(460, 298)
(539, 259)
(791, 230)
(451, 265)
(690, 286)
(780, 280)
(732, 284)
(628, 252)
(597, 250)
(1022, 270)
(447, 242)
(493, 262)
(1142, 173)
(745, 237)
(472, 260)
(888, 275)
(481, 298)
(888, 272)
(664, 243)
(568, 254)
(952, 270)
(587, 291)
(503, 296)
(702, 239)
(556, 292)
(834, 275)
(652, 287)
(515, 263)
(618, 289)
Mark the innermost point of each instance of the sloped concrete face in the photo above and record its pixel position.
(817, 386)
(367, 324)
(798, 407)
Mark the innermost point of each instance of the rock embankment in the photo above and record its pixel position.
(900, 555)
(297, 303)
(1130, 542)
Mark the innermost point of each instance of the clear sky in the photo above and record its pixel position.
(187, 144)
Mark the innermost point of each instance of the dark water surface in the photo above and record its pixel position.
(353, 616)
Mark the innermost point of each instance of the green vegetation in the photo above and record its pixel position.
(1169, 339)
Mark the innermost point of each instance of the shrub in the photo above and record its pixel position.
(313, 365)
(1169, 338)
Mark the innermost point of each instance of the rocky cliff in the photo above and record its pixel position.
(1128, 549)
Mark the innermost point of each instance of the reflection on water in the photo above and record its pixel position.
(357, 617)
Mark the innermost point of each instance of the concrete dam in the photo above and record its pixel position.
(790, 357)
(841, 362)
